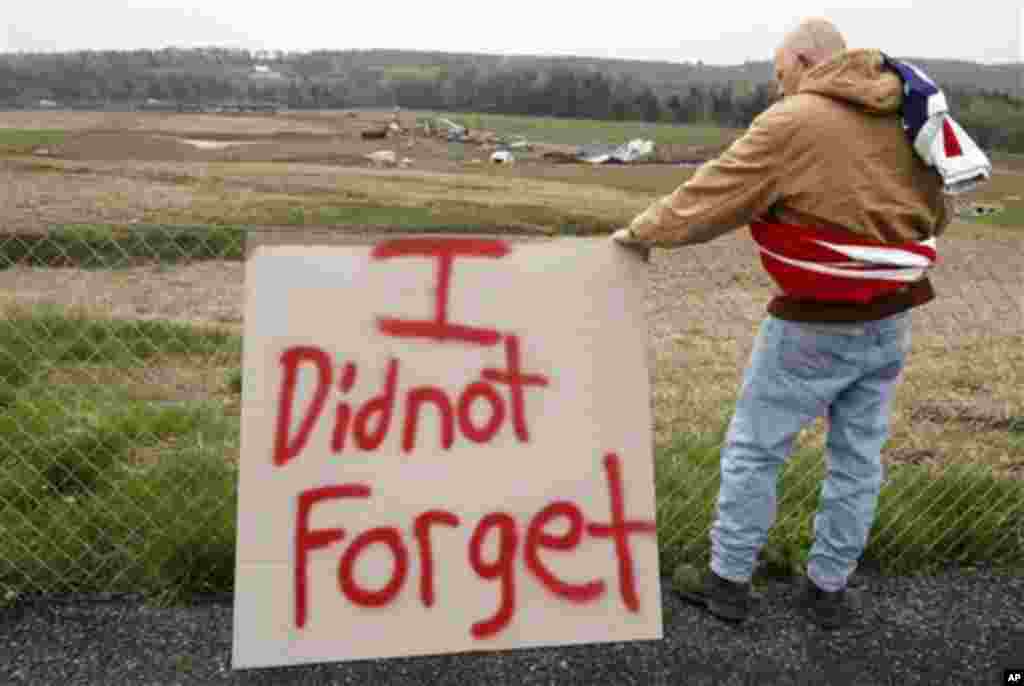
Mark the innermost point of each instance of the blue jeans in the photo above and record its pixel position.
(799, 372)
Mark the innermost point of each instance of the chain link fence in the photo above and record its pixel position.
(120, 391)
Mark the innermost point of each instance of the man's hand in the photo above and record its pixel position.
(625, 238)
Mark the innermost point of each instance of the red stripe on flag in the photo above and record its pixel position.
(805, 285)
(949, 140)
(798, 242)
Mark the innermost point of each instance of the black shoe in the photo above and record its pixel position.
(725, 599)
(829, 610)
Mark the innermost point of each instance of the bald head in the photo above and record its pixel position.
(813, 41)
(816, 38)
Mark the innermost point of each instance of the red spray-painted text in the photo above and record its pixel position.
(501, 570)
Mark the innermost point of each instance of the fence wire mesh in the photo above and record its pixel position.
(120, 392)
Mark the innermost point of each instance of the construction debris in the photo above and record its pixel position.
(633, 151)
(383, 158)
(453, 127)
(447, 129)
(503, 157)
(374, 134)
(558, 157)
(494, 148)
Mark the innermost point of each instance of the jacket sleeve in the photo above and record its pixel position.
(726, 193)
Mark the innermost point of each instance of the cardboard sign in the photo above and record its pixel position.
(446, 447)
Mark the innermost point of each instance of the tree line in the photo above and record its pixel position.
(437, 81)
(995, 120)
(315, 81)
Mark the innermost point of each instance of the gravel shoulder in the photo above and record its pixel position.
(958, 627)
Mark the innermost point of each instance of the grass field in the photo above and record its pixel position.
(1011, 218)
(21, 141)
(120, 437)
(583, 131)
(121, 448)
(104, 454)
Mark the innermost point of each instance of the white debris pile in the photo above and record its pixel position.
(454, 132)
(503, 157)
(633, 151)
(383, 158)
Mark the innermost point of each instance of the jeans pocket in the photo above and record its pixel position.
(896, 352)
(810, 355)
(906, 341)
(897, 341)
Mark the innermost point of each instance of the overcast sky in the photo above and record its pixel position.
(717, 32)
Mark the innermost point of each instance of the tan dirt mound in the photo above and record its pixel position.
(129, 146)
(333, 149)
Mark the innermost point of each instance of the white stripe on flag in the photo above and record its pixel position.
(908, 275)
(896, 257)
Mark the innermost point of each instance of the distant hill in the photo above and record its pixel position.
(967, 75)
(664, 78)
(671, 76)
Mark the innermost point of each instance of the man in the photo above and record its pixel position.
(843, 210)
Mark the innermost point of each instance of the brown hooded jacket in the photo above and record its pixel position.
(834, 155)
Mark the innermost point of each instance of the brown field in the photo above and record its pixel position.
(961, 400)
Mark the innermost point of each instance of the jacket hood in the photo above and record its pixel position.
(858, 77)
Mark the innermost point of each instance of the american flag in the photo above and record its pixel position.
(831, 265)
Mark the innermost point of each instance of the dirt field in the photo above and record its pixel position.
(247, 169)
(296, 137)
(963, 384)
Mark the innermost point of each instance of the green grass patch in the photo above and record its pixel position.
(33, 341)
(444, 216)
(962, 516)
(101, 490)
(234, 381)
(552, 220)
(581, 131)
(373, 216)
(1012, 216)
(165, 529)
(414, 72)
(24, 141)
(107, 246)
(924, 523)
(70, 441)
(104, 490)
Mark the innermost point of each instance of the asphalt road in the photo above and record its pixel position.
(958, 627)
